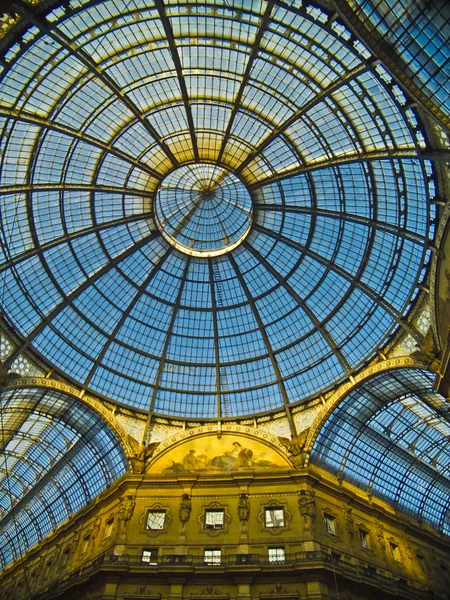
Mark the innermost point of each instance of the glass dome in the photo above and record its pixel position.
(203, 210)
(208, 209)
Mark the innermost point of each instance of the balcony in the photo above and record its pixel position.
(234, 563)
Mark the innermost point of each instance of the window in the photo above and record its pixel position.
(109, 528)
(212, 557)
(422, 562)
(156, 519)
(214, 519)
(395, 551)
(330, 524)
(85, 545)
(276, 555)
(274, 517)
(364, 538)
(150, 557)
(65, 557)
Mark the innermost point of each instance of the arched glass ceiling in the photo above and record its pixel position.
(420, 34)
(56, 456)
(391, 437)
(102, 100)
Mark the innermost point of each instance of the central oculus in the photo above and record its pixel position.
(203, 210)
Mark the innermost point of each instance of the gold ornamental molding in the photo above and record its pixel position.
(401, 362)
(97, 406)
(437, 264)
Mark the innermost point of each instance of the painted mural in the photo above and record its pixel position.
(210, 454)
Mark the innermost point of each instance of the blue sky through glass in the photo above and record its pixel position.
(292, 108)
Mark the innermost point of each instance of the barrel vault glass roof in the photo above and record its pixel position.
(56, 456)
(100, 102)
(391, 437)
(421, 37)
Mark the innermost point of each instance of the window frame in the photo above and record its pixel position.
(330, 523)
(85, 542)
(395, 551)
(276, 559)
(212, 562)
(153, 557)
(213, 507)
(364, 539)
(268, 507)
(272, 509)
(156, 512)
(147, 512)
(109, 527)
(214, 525)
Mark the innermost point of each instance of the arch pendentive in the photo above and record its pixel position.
(391, 437)
(57, 454)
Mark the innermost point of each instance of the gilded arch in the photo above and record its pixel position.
(403, 362)
(93, 403)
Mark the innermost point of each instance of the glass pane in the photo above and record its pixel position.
(156, 520)
(274, 517)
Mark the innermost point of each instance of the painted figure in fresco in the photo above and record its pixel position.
(236, 458)
(190, 461)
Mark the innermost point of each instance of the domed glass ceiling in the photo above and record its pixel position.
(208, 209)
(203, 210)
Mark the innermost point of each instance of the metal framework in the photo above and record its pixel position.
(102, 103)
(391, 437)
(57, 454)
(99, 107)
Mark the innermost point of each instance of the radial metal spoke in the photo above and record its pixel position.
(245, 79)
(436, 155)
(162, 361)
(68, 299)
(333, 267)
(73, 187)
(153, 271)
(87, 61)
(216, 339)
(69, 237)
(267, 343)
(302, 304)
(33, 119)
(344, 216)
(179, 69)
(319, 97)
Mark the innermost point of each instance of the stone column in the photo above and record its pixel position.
(243, 583)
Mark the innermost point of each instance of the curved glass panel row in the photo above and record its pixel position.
(391, 437)
(321, 149)
(56, 456)
(420, 34)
